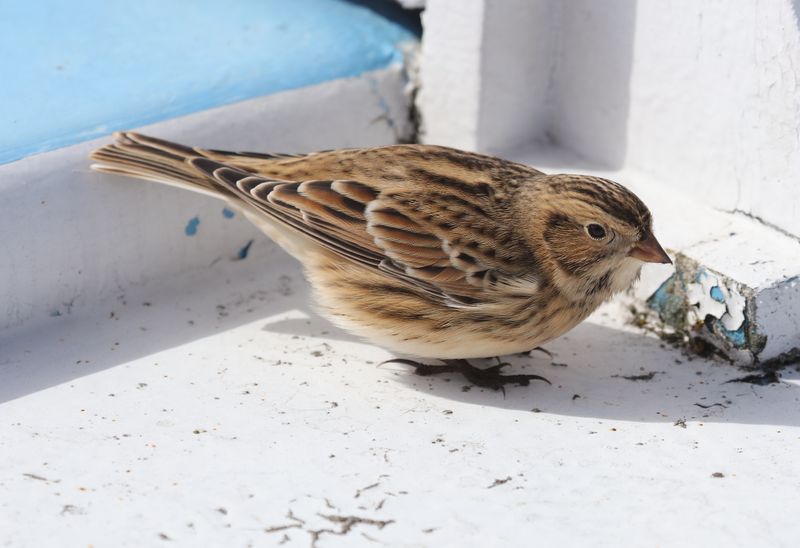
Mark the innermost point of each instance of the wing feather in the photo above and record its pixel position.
(377, 229)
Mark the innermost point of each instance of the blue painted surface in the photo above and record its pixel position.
(738, 337)
(659, 300)
(191, 226)
(716, 294)
(227, 213)
(80, 69)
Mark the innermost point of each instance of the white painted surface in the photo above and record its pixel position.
(779, 315)
(703, 96)
(485, 75)
(209, 414)
(713, 106)
(513, 96)
(72, 236)
(450, 72)
(590, 89)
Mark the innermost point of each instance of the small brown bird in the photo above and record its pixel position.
(426, 250)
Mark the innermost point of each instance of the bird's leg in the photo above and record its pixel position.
(487, 378)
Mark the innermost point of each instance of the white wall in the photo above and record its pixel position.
(450, 76)
(704, 96)
(474, 94)
(589, 94)
(710, 104)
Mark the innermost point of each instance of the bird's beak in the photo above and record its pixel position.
(650, 251)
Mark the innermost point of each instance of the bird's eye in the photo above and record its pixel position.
(596, 231)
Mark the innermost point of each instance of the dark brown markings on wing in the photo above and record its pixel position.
(472, 161)
(322, 192)
(481, 189)
(259, 155)
(259, 197)
(355, 191)
(291, 195)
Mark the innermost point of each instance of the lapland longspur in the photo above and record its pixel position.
(426, 250)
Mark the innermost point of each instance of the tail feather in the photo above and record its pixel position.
(155, 160)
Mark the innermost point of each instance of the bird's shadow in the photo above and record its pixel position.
(606, 373)
(596, 371)
(616, 374)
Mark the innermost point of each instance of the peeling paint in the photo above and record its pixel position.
(711, 306)
(711, 297)
(191, 226)
(670, 302)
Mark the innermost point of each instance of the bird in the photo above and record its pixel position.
(428, 251)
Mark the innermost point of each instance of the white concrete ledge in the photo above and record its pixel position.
(201, 410)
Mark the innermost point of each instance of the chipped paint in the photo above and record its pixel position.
(711, 297)
(711, 306)
(191, 226)
(670, 303)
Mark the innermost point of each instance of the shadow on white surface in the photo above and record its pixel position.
(267, 290)
(608, 373)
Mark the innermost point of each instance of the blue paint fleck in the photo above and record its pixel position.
(227, 213)
(244, 251)
(658, 301)
(664, 298)
(736, 337)
(191, 226)
(716, 294)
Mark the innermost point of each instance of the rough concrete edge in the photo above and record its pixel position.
(715, 314)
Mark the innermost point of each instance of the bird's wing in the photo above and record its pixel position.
(445, 245)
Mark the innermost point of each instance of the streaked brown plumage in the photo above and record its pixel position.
(425, 250)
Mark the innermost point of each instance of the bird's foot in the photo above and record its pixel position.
(541, 349)
(489, 377)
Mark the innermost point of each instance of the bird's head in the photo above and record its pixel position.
(595, 235)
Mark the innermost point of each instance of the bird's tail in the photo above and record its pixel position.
(152, 159)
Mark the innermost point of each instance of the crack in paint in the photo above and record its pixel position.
(760, 220)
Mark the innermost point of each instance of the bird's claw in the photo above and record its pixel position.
(489, 377)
